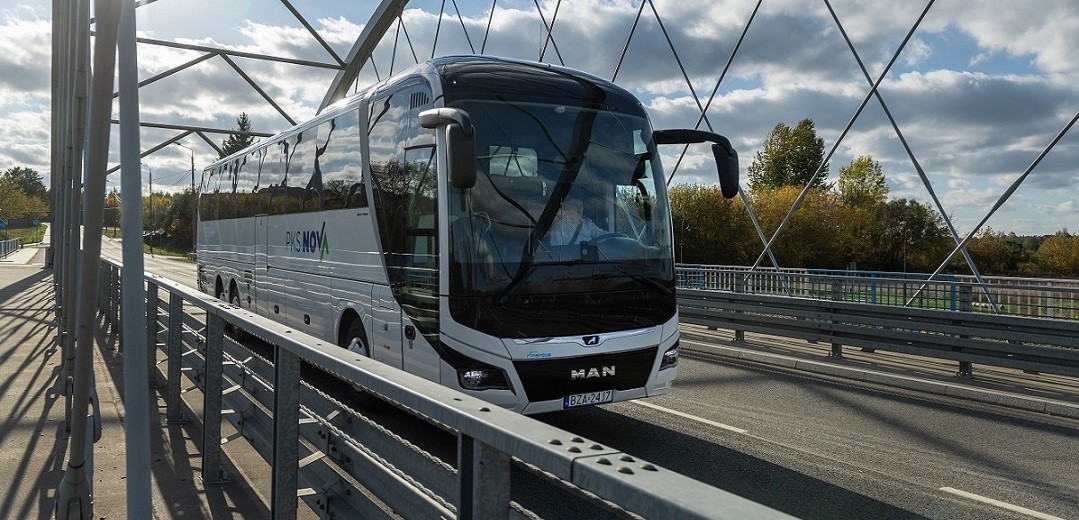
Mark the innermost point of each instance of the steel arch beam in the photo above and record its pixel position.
(372, 33)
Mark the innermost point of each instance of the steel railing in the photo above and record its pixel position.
(1034, 344)
(1031, 297)
(9, 246)
(323, 453)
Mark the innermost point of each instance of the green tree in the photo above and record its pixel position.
(916, 238)
(861, 183)
(112, 209)
(178, 220)
(26, 180)
(790, 158)
(15, 204)
(239, 140)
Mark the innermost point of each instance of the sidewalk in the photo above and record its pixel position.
(33, 440)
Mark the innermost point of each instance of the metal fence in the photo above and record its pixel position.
(343, 465)
(1030, 297)
(9, 246)
(1034, 344)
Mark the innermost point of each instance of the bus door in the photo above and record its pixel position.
(260, 285)
(386, 336)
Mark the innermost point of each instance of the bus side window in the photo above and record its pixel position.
(340, 163)
(245, 185)
(273, 174)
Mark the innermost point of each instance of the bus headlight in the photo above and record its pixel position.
(670, 358)
(482, 378)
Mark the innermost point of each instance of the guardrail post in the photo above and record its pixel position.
(212, 472)
(286, 435)
(837, 295)
(484, 475)
(739, 287)
(114, 306)
(174, 356)
(151, 331)
(966, 368)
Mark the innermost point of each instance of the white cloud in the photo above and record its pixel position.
(973, 128)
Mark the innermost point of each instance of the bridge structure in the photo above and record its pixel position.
(184, 327)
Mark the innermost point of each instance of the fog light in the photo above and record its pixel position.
(482, 379)
(670, 358)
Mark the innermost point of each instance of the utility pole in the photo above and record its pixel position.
(194, 199)
(151, 209)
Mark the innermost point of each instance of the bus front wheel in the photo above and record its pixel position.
(355, 341)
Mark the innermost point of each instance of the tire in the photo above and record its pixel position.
(233, 298)
(355, 340)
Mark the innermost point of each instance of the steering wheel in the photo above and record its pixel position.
(607, 236)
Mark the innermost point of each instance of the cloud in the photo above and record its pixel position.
(978, 92)
(27, 45)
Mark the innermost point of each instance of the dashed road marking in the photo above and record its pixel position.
(998, 503)
(691, 417)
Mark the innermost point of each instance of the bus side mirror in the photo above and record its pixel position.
(460, 143)
(725, 154)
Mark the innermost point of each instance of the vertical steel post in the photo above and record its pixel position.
(739, 287)
(483, 473)
(966, 294)
(75, 495)
(212, 472)
(153, 327)
(286, 434)
(136, 355)
(174, 413)
(837, 295)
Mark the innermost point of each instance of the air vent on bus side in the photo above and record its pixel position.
(418, 99)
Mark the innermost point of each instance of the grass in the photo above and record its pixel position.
(161, 246)
(31, 235)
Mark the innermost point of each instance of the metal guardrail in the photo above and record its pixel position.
(9, 246)
(343, 465)
(1031, 297)
(1034, 344)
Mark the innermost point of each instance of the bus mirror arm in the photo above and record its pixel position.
(725, 155)
(460, 143)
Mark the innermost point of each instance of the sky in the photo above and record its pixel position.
(978, 92)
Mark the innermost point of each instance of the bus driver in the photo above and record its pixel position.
(571, 226)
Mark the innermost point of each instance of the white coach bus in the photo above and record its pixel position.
(501, 227)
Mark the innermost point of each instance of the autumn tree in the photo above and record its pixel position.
(710, 229)
(239, 140)
(1058, 256)
(790, 158)
(997, 253)
(810, 238)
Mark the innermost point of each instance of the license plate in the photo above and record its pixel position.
(588, 399)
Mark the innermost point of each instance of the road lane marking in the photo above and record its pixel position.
(998, 503)
(690, 417)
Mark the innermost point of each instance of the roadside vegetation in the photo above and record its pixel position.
(852, 223)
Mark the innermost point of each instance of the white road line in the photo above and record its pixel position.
(998, 503)
(690, 417)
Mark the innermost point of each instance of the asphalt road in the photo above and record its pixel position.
(822, 448)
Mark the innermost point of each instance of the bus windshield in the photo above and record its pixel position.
(569, 209)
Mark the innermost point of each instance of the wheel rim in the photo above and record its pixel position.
(358, 346)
